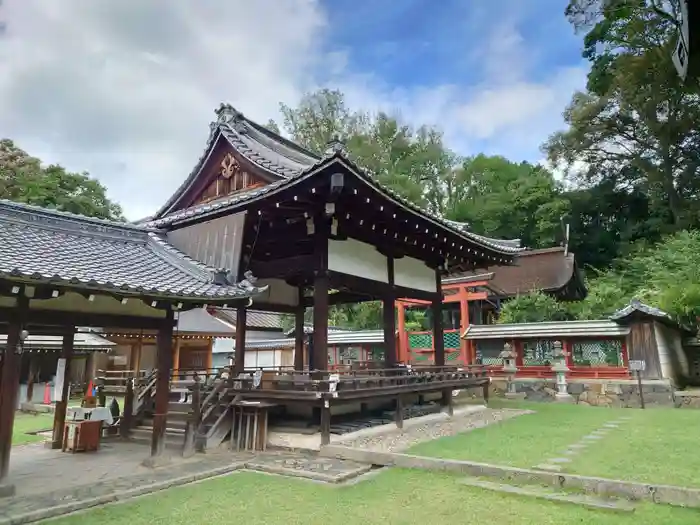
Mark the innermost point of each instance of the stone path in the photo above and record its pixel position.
(398, 440)
(555, 464)
(74, 482)
(585, 500)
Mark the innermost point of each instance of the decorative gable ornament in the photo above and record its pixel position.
(229, 166)
(335, 145)
(227, 114)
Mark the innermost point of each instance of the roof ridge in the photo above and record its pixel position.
(56, 220)
(163, 249)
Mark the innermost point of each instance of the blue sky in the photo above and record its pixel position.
(470, 45)
(126, 89)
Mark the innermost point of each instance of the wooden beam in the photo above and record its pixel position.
(43, 318)
(239, 362)
(164, 358)
(283, 268)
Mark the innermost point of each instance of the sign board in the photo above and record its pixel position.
(680, 55)
(638, 365)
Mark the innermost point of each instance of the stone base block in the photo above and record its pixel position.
(7, 490)
(156, 461)
(515, 395)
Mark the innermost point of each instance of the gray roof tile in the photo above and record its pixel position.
(292, 164)
(63, 248)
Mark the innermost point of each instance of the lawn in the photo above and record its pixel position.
(655, 445)
(524, 441)
(30, 423)
(394, 497)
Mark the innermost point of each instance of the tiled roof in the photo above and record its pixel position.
(347, 337)
(599, 328)
(290, 164)
(81, 341)
(66, 249)
(254, 318)
(309, 329)
(548, 269)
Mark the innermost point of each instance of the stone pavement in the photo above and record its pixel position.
(50, 483)
(555, 464)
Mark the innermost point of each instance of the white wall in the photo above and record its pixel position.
(412, 273)
(357, 258)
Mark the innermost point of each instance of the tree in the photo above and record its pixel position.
(637, 123)
(24, 179)
(506, 200)
(605, 221)
(665, 275)
(411, 162)
(534, 307)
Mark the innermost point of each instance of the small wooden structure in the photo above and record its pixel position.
(594, 349)
(61, 271)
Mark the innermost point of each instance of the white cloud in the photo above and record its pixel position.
(126, 89)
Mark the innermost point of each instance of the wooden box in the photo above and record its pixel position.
(81, 436)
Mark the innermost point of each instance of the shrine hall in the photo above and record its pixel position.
(262, 224)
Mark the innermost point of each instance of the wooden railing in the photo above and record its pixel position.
(356, 383)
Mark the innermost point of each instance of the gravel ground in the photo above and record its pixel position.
(399, 440)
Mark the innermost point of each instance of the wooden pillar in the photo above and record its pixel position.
(176, 359)
(299, 332)
(33, 366)
(389, 317)
(321, 307)
(9, 388)
(239, 363)
(132, 360)
(319, 359)
(463, 325)
(139, 351)
(438, 331)
(402, 334)
(326, 422)
(210, 356)
(164, 360)
(59, 416)
(399, 411)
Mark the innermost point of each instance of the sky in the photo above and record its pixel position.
(125, 89)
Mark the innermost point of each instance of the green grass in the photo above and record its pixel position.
(656, 446)
(394, 497)
(524, 441)
(30, 423)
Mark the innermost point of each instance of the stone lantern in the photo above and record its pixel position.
(560, 369)
(508, 356)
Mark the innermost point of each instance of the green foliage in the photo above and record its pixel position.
(636, 125)
(507, 200)
(534, 307)
(24, 179)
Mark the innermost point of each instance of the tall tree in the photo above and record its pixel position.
(24, 179)
(637, 124)
(507, 200)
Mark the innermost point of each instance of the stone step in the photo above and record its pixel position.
(585, 500)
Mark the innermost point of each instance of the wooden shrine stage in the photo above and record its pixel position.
(322, 394)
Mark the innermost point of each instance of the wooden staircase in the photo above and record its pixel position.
(200, 412)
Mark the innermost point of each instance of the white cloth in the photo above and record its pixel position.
(96, 414)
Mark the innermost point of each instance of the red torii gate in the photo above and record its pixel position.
(462, 295)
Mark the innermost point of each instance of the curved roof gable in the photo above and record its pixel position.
(290, 164)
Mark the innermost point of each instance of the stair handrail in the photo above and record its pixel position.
(212, 400)
(150, 383)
